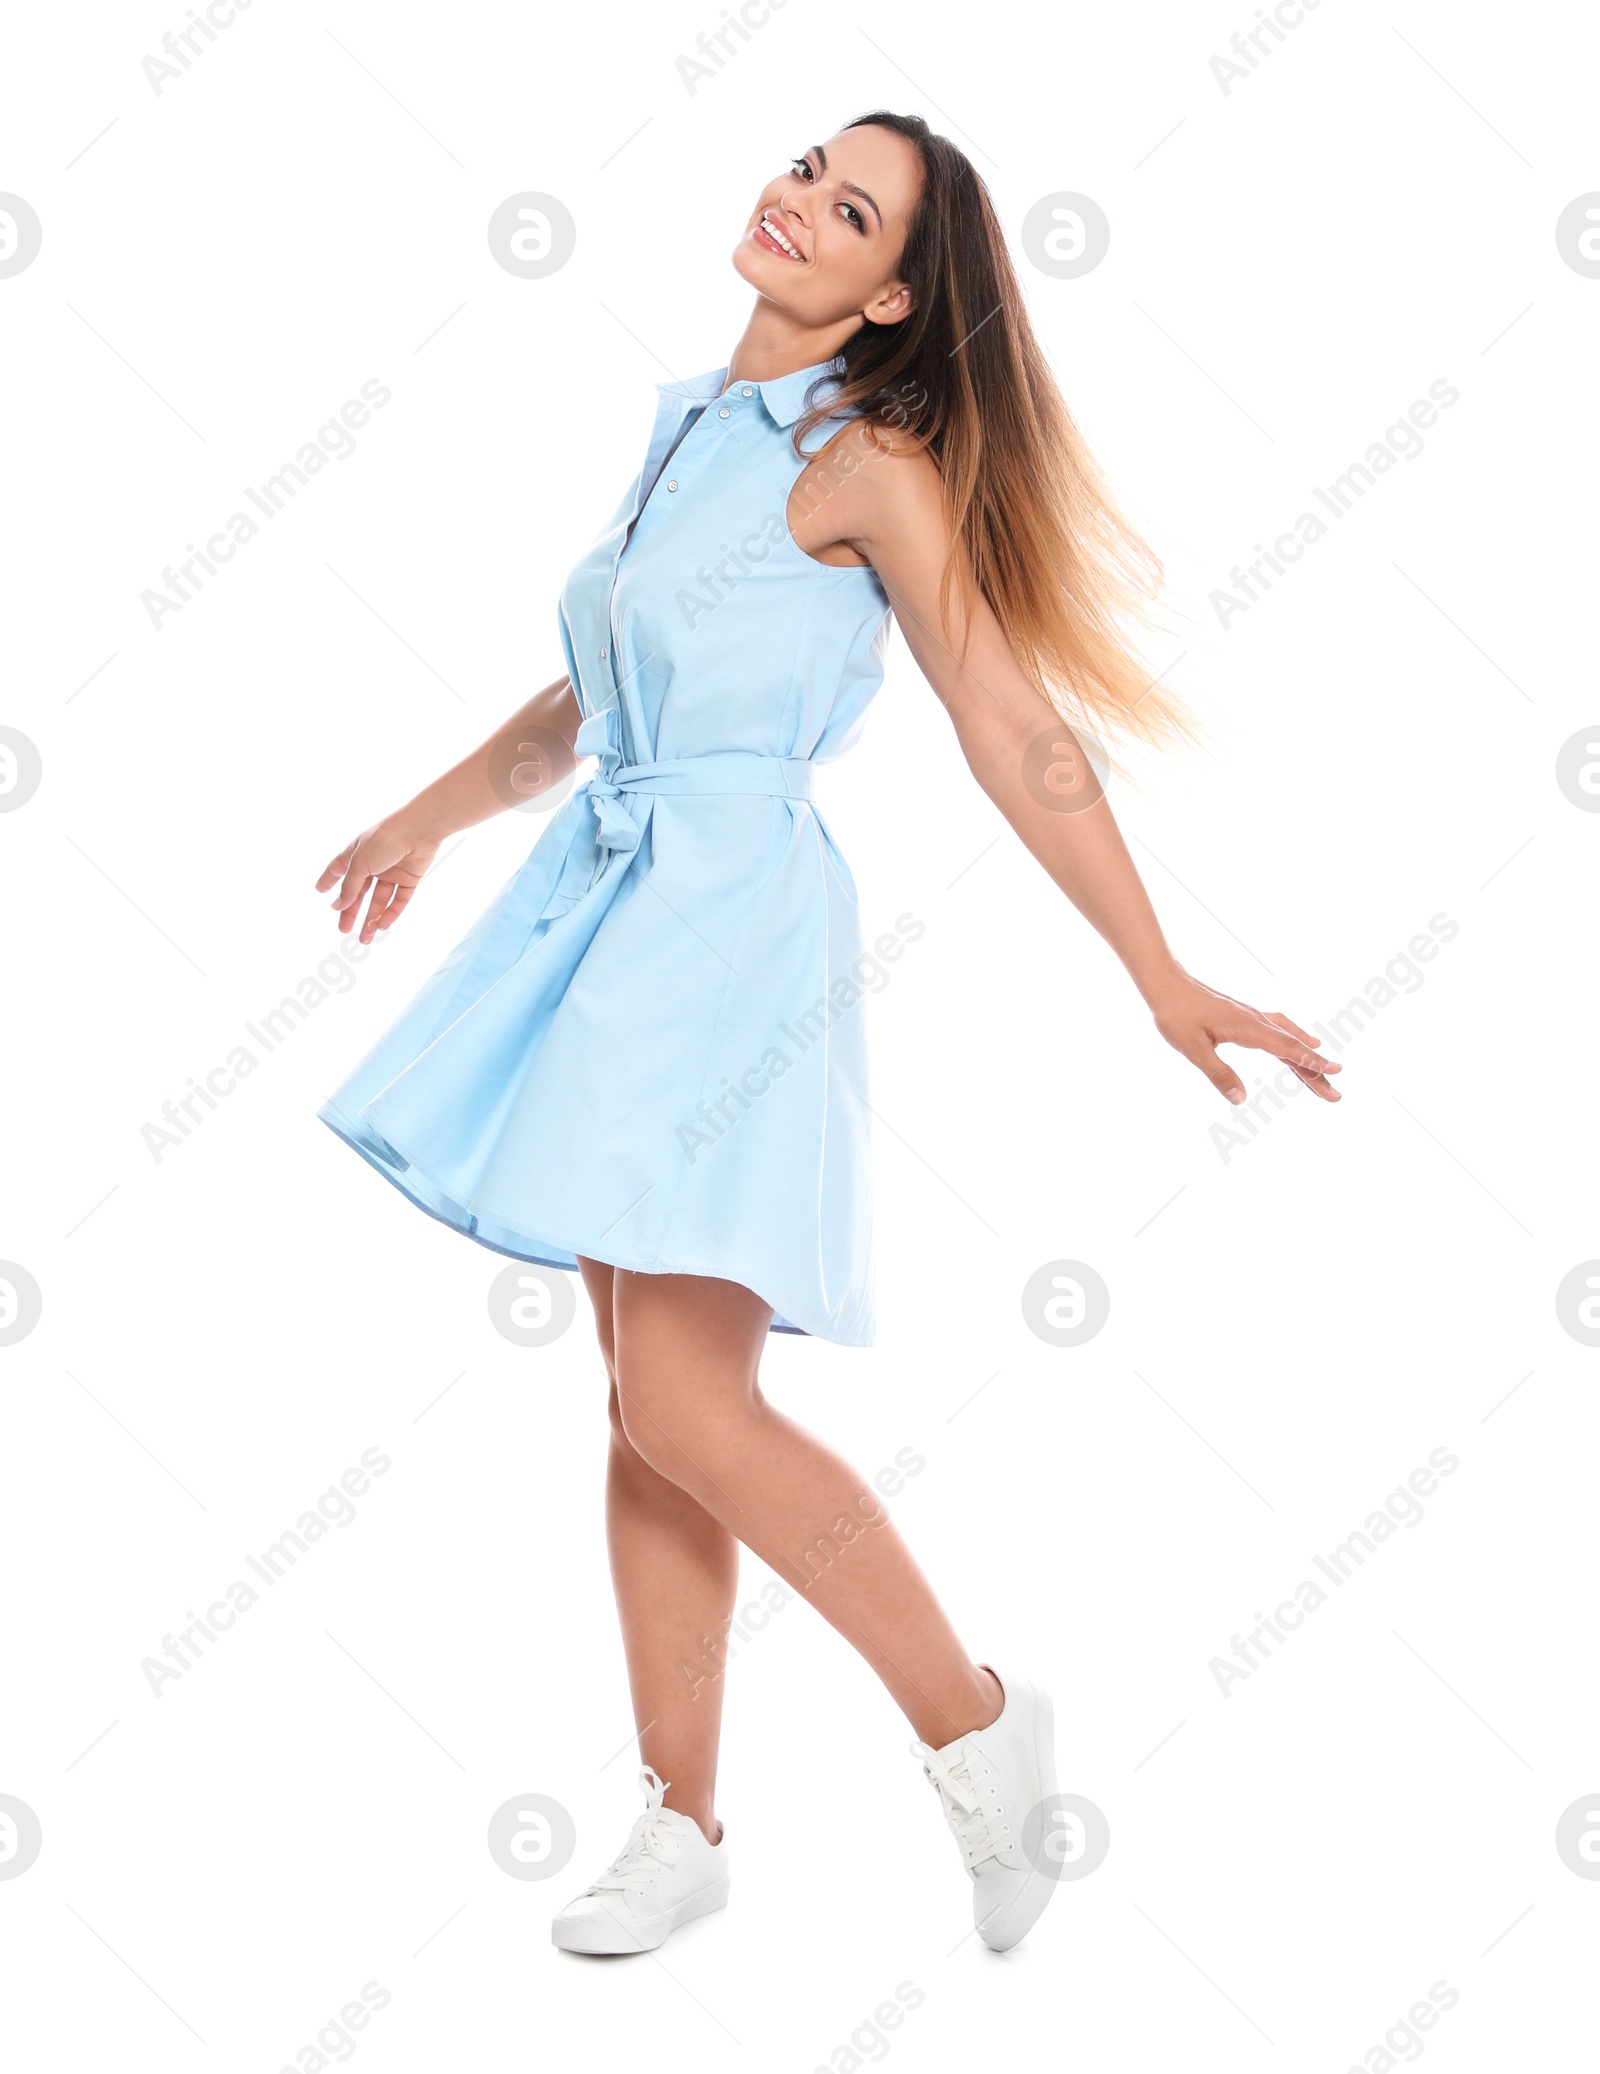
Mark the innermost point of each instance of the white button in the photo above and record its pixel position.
(602, 655)
(747, 391)
(672, 485)
(723, 412)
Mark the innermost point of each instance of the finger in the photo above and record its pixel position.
(347, 902)
(336, 868)
(1260, 1035)
(382, 896)
(396, 907)
(1317, 1083)
(1287, 1022)
(1314, 1075)
(358, 877)
(1220, 1074)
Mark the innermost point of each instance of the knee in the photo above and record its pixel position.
(641, 1418)
(620, 1437)
(666, 1427)
(652, 1427)
(638, 1428)
(619, 1430)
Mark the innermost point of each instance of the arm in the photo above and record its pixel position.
(391, 856)
(890, 509)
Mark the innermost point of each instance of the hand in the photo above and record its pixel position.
(1195, 1019)
(390, 859)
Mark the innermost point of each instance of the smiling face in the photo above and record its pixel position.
(825, 240)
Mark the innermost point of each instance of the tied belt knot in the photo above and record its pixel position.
(616, 785)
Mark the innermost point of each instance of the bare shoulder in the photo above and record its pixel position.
(891, 466)
(868, 484)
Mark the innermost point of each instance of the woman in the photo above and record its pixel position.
(646, 1060)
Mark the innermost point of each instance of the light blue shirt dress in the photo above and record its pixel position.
(650, 1049)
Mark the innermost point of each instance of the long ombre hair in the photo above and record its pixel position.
(963, 376)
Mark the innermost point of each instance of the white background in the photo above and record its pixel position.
(1293, 1328)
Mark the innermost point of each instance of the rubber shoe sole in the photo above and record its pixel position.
(612, 1936)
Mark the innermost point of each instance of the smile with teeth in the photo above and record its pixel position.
(768, 232)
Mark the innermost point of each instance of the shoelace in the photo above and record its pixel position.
(970, 1820)
(655, 1841)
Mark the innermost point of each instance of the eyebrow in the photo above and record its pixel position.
(850, 186)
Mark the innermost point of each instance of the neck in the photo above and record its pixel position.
(773, 344)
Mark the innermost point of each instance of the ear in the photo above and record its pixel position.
(894, 303)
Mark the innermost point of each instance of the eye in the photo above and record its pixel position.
(852, 214)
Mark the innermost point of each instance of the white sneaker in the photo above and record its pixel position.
(665, 1875)
(989, 1781)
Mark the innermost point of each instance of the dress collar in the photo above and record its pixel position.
(784, 396)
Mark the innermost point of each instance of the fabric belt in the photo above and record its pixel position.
(722, 771)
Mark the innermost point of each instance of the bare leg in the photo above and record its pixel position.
(686, 1353)
(675, 1572)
